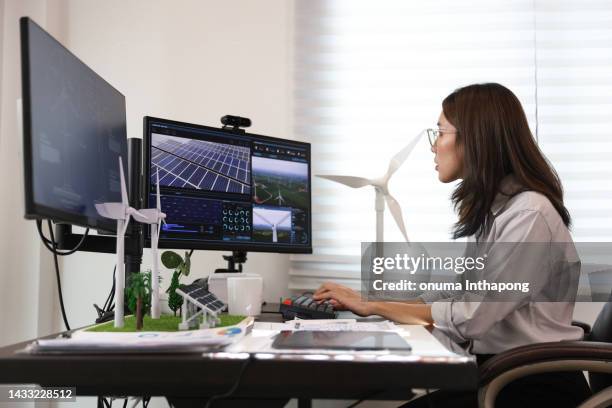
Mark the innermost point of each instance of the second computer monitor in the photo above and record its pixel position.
(225, 190)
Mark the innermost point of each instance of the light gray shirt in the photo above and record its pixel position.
(491, 327)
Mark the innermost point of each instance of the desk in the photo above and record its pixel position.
(188, 377)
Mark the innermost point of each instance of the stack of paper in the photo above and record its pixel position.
(339, 325)
(193, 341)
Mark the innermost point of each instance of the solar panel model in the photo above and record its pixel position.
(199, 302)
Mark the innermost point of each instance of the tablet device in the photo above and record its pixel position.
(340, 340)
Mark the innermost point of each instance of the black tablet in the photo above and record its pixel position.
(340, 340)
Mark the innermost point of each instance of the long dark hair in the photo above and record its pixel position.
(493, 134)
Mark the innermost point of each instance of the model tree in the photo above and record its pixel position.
(139, 295)
(172, 260)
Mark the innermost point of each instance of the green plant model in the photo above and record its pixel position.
(172, 260)
(139, 295)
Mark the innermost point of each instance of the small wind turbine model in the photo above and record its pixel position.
(273, 225)
(381, 187)
(122, 213)
(154, 217)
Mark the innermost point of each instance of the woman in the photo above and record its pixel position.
(508, 193)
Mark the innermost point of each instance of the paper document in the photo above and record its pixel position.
(190, 341)
(339, 325)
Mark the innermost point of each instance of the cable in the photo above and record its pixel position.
(52, 246)
(57, 274)
(104, 313)
(233, 387)
(111, 294)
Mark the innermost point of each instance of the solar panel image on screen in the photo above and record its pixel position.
(200, 165)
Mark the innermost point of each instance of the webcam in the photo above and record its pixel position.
(235, 121)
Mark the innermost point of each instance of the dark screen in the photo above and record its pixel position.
(74, 133)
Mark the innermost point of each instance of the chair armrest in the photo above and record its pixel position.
(584, 326)
(544, 352)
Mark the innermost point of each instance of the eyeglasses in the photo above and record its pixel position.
(433, 134)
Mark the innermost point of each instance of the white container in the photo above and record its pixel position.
(245, 295)
(217, 283)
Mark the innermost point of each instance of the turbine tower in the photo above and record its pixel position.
(154, 217)
(122, 213)
(273, 225)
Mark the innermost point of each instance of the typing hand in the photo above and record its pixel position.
(342, 298)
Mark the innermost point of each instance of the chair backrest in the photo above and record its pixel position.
(601, 331)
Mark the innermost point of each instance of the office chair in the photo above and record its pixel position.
(593, 354)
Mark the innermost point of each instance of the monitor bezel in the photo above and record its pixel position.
(228, 245)
(33, 210)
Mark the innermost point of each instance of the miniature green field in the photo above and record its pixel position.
(166, 323)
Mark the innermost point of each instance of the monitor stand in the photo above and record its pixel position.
(237, 257)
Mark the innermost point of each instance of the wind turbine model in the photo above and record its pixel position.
(273, 225)
(122, 213)
(381, 187)
(154, 217)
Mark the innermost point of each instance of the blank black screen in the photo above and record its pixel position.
(74, 133)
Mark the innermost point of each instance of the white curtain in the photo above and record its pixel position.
(574, 54)
(369, 77)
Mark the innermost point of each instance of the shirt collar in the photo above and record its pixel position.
(508, 187)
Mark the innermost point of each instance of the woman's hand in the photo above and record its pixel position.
(342, 298)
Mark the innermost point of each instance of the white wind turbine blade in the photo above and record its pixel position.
(161, 216)
(133, 212)
(351, 181)
(126, 222)
(147, 215)
(399, 159)
(114, 211)
(284, 218)
(158, 196)
(129, 212)
(263, 218)
(396, 211)
(124, 195)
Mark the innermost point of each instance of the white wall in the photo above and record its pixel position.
(28, 298)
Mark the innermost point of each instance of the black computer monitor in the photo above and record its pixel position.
(74, 130)
(227, 190)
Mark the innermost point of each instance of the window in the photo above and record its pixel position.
(369, 77)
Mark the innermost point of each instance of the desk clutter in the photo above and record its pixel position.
(330, 334)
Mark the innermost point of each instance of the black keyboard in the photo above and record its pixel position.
(304, 307)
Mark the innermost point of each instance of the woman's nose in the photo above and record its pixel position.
(433, 148)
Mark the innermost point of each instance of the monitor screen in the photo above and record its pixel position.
(74, 126)
(226, 190)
